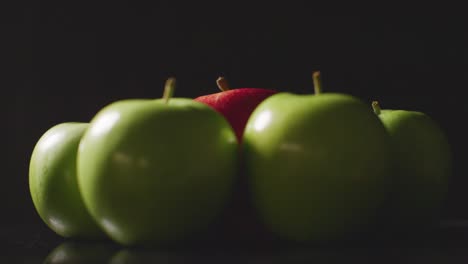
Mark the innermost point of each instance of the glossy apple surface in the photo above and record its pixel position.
(156, 171)
(53, 183)
(317, 165)
(235, 105)
(422, 167)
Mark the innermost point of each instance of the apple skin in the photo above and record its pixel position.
(236, 105)
(53, 183)
(153, 172)
(317, 165)
(422, 168)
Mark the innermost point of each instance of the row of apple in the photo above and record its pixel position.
(318, 166)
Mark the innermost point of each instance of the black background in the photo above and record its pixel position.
(63, 62)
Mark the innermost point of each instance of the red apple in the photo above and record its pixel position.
(235, 105)
(238, 223)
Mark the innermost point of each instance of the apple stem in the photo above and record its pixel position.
(317, 82)
(169, 88)
(376, 107)
(222, 83)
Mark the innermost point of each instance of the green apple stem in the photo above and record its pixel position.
(169, 88)
(376, 107)
(317, 82)
(222, 83)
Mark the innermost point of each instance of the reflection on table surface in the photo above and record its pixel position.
(87, 253)
(450, 245)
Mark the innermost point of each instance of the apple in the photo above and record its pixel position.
(235, 105)
(156, 171)
(422, 167)
(53, 183)
(317, 165)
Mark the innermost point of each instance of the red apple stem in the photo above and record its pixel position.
(376, 107)
(317, 82)
(223, 84)
(169, 88)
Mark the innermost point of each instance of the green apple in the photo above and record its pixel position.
(53, 184)
(317, 164)
(156, 171)
(422, 167)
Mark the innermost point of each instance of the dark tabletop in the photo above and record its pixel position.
(30, 244)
